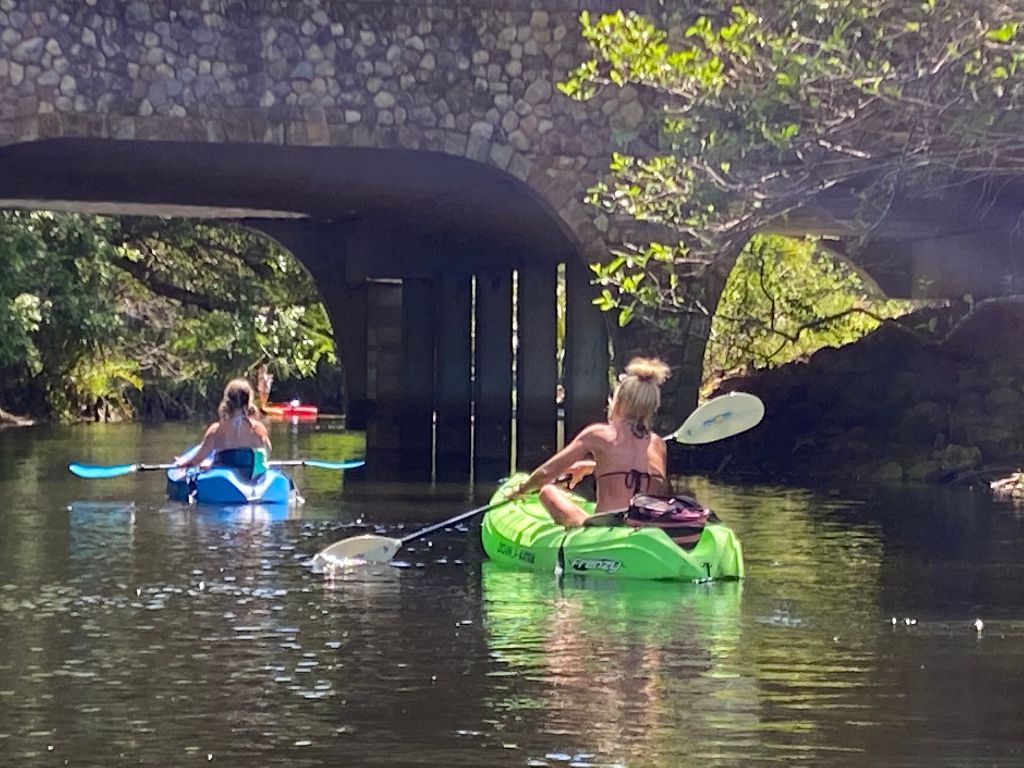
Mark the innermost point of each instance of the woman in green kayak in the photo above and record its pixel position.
(238, 438)
(624, 455)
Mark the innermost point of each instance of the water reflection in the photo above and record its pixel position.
(134, 630)
(614, 668)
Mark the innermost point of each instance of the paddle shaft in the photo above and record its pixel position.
(95, 472)
(317, 463)
(452, 521)
(371, 548)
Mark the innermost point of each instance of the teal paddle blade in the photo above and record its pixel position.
(99, 471)
(352, 464)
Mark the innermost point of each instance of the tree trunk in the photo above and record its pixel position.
(679, 339)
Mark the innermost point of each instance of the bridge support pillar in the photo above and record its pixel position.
(347, 307)
(586, 352)
(417, 428)
(493, 414)
(536, 373)
(453, 395)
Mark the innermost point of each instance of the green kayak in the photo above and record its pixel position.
(523, 535)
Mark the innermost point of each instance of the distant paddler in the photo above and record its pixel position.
(264, 381)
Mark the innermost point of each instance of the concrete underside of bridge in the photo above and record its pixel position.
(415, 254)
(966, 238)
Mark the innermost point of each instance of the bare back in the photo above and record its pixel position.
(238, 432)
(625, 464)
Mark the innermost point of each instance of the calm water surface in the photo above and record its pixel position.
(134, 631)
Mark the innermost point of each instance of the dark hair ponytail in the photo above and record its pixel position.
(237, 400)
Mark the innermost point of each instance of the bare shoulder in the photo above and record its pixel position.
(213, 429)
(259, 428)
(596, 433)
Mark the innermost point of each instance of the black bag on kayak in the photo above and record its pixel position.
(682, 518)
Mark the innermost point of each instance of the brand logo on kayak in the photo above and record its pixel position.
(602, 564)
(509, 551)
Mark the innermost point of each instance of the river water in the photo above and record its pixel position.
(134, 631)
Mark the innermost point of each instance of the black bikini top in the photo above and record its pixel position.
(636, 481)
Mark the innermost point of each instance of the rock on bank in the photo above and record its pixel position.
(908, 402)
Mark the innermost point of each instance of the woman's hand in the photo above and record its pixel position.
(579, 470)
(516, 492)
(183, 463)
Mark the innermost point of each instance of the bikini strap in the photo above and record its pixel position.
(634, 479)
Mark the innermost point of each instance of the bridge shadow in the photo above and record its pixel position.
(457, 295)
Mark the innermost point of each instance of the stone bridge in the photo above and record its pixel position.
(416, 155)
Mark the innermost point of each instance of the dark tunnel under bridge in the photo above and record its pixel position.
(441, 277)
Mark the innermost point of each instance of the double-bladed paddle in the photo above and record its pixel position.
(371, 548)
(717, 419)
(102, 471)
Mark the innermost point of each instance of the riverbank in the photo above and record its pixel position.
(932, 398)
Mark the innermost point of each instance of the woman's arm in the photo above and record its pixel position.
(661, 451)
(264, 435)
(200, 453)
(579, 470)
(571, 456)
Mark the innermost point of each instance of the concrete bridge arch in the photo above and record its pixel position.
(415, 254)
(473, 79)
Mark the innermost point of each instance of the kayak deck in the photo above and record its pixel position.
(224, 485)
(522, 534)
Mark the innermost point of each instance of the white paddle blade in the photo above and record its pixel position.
(720, 418)
(369, 548)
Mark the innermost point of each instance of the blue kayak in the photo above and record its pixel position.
(225, 485)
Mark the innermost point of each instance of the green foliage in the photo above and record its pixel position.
(97, 306)
(785, 299)
(104, 380)
(57, 303)
(217, 300)
(755, 111)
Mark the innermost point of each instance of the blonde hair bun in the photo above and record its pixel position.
(638, 393)
(649, 370)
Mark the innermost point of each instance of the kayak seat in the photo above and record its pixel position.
(250, 463)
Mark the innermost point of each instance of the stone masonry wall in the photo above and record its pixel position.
(473, 79)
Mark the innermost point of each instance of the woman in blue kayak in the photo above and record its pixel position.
(625, 457)
(238, 439)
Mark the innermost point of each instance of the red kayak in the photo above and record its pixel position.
(291, 408)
